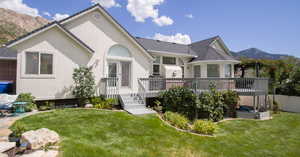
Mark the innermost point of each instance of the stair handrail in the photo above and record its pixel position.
(142, 90)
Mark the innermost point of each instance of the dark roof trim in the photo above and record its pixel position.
(9, 44)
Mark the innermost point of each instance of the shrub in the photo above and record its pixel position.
(96, 100)
(176, 120)
(46, 106)
(204, 127)
(212, 102)
(18, 129)
(105, 104)
(84, 87)
(181, 100)
(27, 97)
(231, 99)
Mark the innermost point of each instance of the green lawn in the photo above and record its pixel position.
(92, 133)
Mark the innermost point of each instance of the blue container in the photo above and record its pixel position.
(5, 87)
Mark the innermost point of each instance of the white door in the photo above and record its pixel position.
(121, 71)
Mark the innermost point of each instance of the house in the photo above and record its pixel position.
(47, 57)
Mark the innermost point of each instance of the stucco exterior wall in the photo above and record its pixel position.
(100, 34)
(67, 55)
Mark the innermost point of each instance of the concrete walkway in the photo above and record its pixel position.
(6, 122)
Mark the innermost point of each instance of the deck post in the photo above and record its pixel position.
(254, 103)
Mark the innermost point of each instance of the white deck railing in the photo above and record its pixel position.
(244, 86)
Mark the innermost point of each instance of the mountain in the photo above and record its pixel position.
(13, 25)
(255, 53)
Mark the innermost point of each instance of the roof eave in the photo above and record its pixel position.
(171, 53)
(210, 61)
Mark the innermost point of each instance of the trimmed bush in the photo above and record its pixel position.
(204, 127)
(180, 100)
(231, 99)
(176, 120)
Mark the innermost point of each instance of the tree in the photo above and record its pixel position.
(84, 86)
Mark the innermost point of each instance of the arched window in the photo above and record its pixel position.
(118, 51)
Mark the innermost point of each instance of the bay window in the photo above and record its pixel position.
(37, 63)
(228, 70)
(213, 70)
(197, 71)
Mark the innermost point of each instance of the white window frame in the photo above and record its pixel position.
(207, 71)
(225, 66)
(199, 71)
(169, 57)
(46, 76)
(159, 64)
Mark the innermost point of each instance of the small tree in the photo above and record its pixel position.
(84, 87)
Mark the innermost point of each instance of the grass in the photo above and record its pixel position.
(92, 133)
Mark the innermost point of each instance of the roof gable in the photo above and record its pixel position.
(112, 20)
(45, 28)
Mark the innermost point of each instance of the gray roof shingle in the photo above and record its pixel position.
(206, 52)
(6, 53)
(167, 47)
(201, 49)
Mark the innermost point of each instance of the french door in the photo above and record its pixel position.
(121, 71)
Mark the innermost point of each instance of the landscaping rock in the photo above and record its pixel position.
(88, 106)
(5, 146)
(41, 153)
(39, 138)
(3, 155)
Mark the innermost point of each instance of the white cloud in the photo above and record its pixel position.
(59, 16)
(163, 21)
(190, 16)
(106, 3)
(177, 38)
(46, 13)
(19, 6)
(143, 9)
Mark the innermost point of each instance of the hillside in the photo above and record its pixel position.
(13, 25)
(255, 53)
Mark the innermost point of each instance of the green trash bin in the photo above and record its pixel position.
(20, 107)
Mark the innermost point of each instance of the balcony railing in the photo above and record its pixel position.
(244, 86)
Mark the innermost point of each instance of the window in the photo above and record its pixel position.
(156, 65)
(197, 71)
(46, 64)
(213, 70)
(32, 63)
(156, 69)
(156, 60)
(38, 63)
(169, 60)
(119, 51)
(228, 70)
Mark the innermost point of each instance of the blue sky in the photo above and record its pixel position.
(270, 25)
